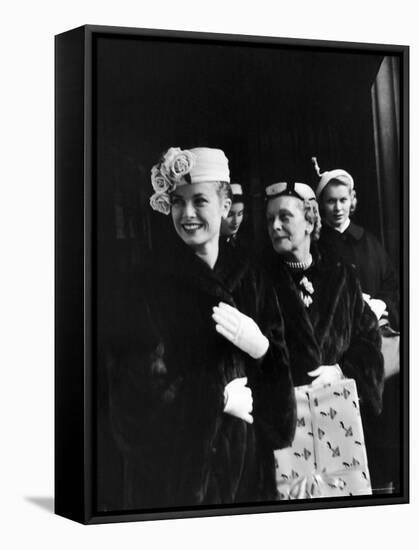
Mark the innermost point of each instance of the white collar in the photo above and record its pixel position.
(344, 226)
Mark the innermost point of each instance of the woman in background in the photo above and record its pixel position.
(231, 224)
(340, 236)
(352, 243)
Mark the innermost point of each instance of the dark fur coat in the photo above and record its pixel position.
(360, 248)
(168, 379)
(338, 327)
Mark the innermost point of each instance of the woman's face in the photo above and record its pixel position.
(287, 227)
(231, 225)
(197, 211)
(336, 204)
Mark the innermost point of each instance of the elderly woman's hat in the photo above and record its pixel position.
(293, 189)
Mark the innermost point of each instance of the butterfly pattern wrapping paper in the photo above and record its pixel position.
(328, 456)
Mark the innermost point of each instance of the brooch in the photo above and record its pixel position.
(306, 291)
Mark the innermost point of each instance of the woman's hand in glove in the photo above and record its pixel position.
(238, 400)
(240, 329)
(326, 374)
(379, 307)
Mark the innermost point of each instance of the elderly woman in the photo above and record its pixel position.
(203, 392)
(331, 332)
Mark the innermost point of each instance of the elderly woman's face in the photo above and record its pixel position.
(287, 226)
(336, 204)
(197, 210)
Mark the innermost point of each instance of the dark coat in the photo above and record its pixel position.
(168, 381)
(237, 241)
(338, 327)
(360, 248)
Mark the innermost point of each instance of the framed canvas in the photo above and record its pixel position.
(147, 424)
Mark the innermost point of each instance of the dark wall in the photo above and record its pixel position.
(269, 109)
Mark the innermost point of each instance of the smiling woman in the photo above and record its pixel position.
(201, 387)
(197, 211)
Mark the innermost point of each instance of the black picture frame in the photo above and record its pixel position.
(76, 203)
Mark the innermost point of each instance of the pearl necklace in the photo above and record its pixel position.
(300, 266)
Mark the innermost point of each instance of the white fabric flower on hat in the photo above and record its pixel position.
(160, 202)
(176, 163)
(182, 164)
(159, 181)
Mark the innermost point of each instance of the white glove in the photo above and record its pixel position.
(326, 374)
(240, 329)
(378, 306)
(238, 399)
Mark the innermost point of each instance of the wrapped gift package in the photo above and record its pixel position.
(328, 456)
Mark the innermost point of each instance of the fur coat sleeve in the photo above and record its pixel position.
(363, 360)
(272, 386)
(339, 327)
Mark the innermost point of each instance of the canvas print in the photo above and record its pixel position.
(247, 262)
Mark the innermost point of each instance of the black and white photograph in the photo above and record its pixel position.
(246, 216)
(208, 278)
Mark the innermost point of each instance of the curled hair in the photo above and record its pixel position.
(312, 215)
(223, 190)
(354, 201)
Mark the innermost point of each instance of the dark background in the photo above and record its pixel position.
(270, 108)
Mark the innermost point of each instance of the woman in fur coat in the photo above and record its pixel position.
(201, 388)
(331, 332)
